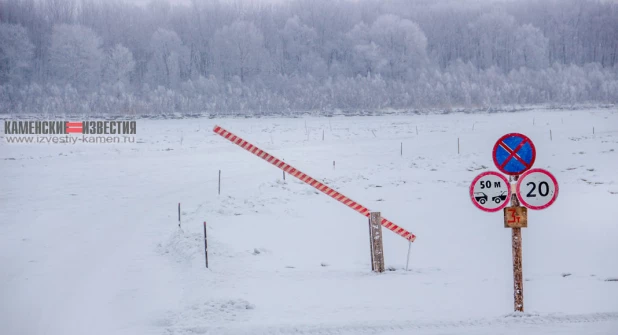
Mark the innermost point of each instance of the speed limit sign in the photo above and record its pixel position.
(537, 189)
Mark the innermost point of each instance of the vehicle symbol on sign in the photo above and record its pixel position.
(497, 199)
(480, 197)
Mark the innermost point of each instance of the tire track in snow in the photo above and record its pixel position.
(378, 328)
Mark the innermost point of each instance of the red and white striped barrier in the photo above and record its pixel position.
(305, 178)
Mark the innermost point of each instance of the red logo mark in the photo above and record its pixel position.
(74, 127)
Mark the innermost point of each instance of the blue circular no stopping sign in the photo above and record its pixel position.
(514, 154)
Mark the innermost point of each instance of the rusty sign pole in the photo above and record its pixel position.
(518, 281)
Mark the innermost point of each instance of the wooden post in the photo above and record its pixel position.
(333, 165)
(322, 134)
(458, 145)
(533, 121)
(401, 151)
(550, 136)
(416, 130)
(219, 181)
(179, 215)
(205, 245)
(377, 250)
(592, 130)
(518, 282)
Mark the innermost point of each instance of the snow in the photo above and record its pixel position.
(90, 243)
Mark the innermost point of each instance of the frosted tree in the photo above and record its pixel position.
(240, 49)
(119, 65)
(299, 45)
(60, 11)
(16, 53)
(75, 56)
(530, 48)
(494, 41)
(366, 56)
(402, 45)
(169, 58)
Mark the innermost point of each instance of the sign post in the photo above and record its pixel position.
(514, 154)
(513, 220)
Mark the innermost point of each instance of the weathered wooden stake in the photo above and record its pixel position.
(377, 250)
(205, 245)
(518, 281)
(333, 165)
(473, 125)
(550, 136)
(179, 215)
(322, 134)
(401, 151)
(417, 130)
(533, 121)
(592, 130)
(458, 145)
(219, 181)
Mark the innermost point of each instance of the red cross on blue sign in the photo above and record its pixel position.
(514, 154)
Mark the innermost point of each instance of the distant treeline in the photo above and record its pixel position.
(81, 57)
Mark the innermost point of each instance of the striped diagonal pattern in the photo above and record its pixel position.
(309, 180)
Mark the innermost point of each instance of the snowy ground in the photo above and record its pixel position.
(90, 244)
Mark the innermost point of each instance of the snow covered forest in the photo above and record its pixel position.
(115, 57)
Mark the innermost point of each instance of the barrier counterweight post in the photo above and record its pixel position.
(311, 181)
(377, 247)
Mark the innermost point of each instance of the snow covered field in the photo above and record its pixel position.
(90, 244)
